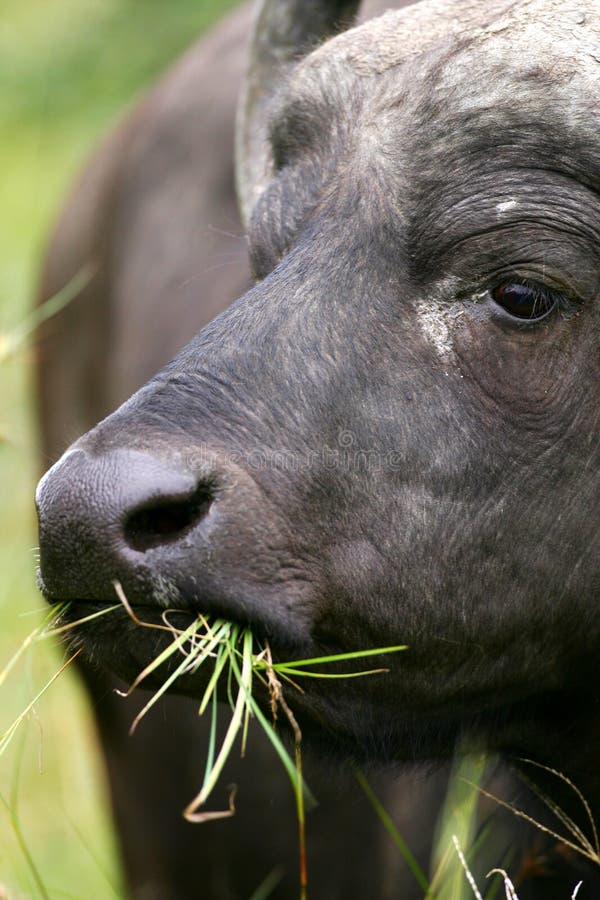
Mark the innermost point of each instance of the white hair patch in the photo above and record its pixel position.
(506, 205)
(436, 326)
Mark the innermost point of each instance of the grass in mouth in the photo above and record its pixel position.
(238, 661)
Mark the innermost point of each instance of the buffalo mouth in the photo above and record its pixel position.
(125, 638)
(385, 717)
(126, 642)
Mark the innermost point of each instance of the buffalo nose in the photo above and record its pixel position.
(99, 515)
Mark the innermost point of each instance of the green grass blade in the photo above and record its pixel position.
(26, 643)
(393, 832)
(288, 670)
(247, 708)
(266, 887)
(205, 648)
(90, 850)
(221, 660)
(284, 756)
(35, 635)
(458, 822)
(245, 684)
(62, 629)
(9, 733)
(18, 338)
(212, 739)
(231, 648)
(177, 644)
(181, 669)
(336, 657)
(16, 827)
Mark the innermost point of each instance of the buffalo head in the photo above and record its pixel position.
(393, 436)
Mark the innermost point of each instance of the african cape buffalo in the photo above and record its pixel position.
(391, 436)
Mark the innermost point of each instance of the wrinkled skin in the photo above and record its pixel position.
(370, 447)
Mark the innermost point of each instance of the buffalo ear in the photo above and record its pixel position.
(284, 31)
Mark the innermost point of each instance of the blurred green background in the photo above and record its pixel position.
(67, 69)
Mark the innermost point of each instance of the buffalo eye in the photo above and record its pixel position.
(530, 302)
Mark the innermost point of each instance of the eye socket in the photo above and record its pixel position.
(530, 302)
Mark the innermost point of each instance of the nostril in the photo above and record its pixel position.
(166, 519)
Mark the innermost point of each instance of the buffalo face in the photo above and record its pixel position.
(393, 436)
